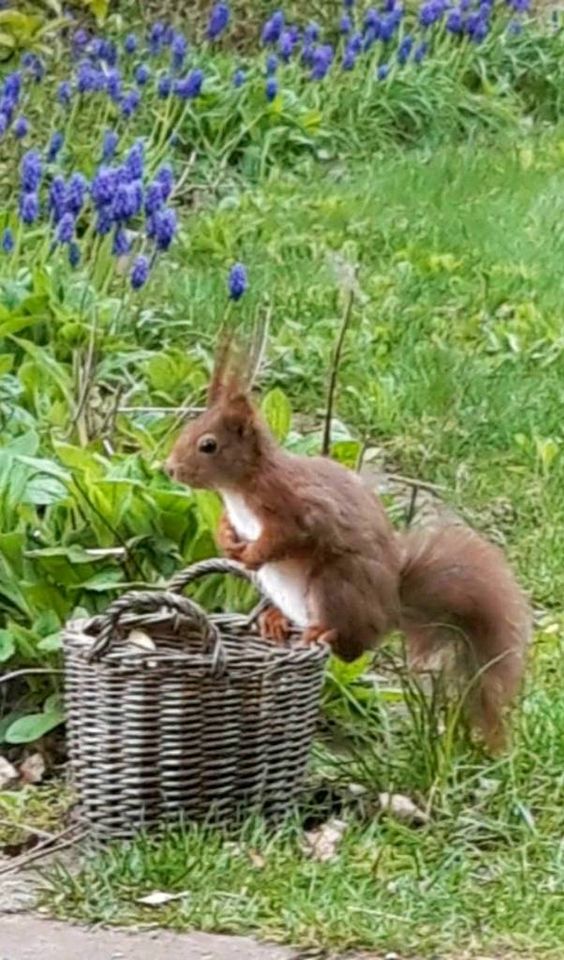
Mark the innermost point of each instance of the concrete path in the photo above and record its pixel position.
(25, 937)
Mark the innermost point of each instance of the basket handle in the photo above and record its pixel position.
(206, 567)
(143, 602)
(220, 565)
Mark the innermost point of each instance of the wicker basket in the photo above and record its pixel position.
(171, 713)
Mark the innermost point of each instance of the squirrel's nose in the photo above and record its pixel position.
(170, 468)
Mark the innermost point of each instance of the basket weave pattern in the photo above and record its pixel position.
(204, 719)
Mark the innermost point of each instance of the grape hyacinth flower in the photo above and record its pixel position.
(104, 221)
(431, 12)
(311, 33)
(179, 48)
(29, 207)
(190, 86)
(130, 103)
(32, 63)
(128, 201)
(355, 44)
(271, 89)
(142, 74)
(420, 51)
(89, 79)
(13, 86)
(345, 24)
(349, 59)
(286, 44)
(104, 187)
(57, 198)
(31, 171)
(74, 255)
(120, 243)
(455, 21)
(382, 71)
(237, 281)
(76, 193)
(164, 86)
(348, 4)
(55, 144)
(154, 198)
(371, 35)
(65, 229)
(3, 124)
(387, 28)
(273, 28)
(519, 6)
(372, 19)
(322, 58)
(165, 178)
(130, 43)
(114, 85)
(477, 27)
(156, 36)
(108, 53)
(21, 128)
(80, 37)
(140, 272)
(7, 107)
(404, 50)
(218, 21)
(168, 35)
(134, 162)
(64, 93)
(109, 145)
(163, 228)
(7, 242)
(239, 78)
(271, 65)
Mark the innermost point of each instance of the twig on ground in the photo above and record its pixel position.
(43, 848)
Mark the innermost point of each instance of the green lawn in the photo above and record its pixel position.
(454, 366)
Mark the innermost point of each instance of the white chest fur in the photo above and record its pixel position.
(284, 581)
(247, 525)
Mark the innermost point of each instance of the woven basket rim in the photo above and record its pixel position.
(81, 633)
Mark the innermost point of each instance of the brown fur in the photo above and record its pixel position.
(361, 578)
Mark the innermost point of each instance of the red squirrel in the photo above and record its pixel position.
(332, 564)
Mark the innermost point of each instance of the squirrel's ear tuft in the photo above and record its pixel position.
(222, 363)
(237, 364)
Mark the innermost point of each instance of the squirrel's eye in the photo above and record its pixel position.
(207, 444)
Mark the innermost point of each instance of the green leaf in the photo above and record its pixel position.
(278, 413)
(105, 580)
(208, 506)
(7, 645)
(51, 644)
(6, 363)
(347, 452)
(42, 491)
(33, 726)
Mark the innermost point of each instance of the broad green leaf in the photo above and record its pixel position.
(27, 445)
(208, 506)
(50, 644)
(7, 645)
(33, 726)
(347, 452)
(105, 580)
(6, 363)
(278, 413)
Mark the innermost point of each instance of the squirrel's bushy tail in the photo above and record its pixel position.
(455, 585)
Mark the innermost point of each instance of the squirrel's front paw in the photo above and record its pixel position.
(248, 556)
(273, 625)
